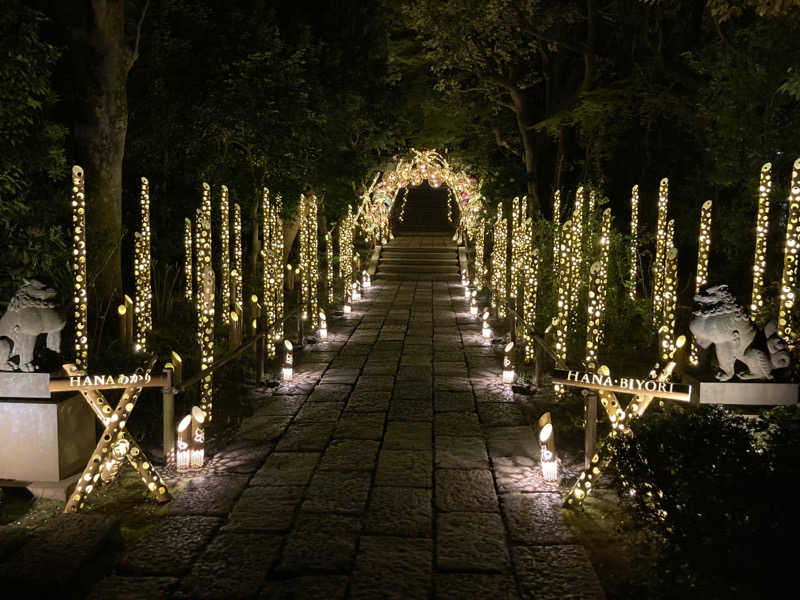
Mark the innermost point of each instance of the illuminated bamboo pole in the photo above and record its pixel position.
(661, 250)
(634, 248)
(518, 248)
(529, 304)
(187, 258)
(592, 203)
(267, 278)
(670, 291)
(556, 227)
(329, 268)
(238, 287)
(204, 299)
(703, 245)
(480, 264)
(762, 228)
(346, 256)
(79, 296)
(789, 278)
(499, 265)
(183, 454)
(276, 229)
(225, 255)
(576, 257)
(143, 273)
(561, 320)
(605, 247)
(309, 259)
(198, 439)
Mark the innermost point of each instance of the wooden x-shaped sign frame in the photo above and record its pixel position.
(620, 422)
(115, 445)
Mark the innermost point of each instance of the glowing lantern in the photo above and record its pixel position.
(288, 360)
(547, 448)
(198, 437)
(323, 326)
(486, 331)
(183, 454)
(508, 363)
(473, 307)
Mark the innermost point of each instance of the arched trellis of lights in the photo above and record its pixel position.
(377, 201)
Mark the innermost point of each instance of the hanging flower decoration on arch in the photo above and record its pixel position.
(425, 165)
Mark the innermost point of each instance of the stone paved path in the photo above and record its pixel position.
(395, 465)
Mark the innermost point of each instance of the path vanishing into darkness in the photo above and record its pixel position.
(395, 465)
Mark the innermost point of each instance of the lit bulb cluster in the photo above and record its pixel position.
(634, 248)
(347, 255)
(204, 298)
(621, 425)
(670, 293)
(142, 272)
(499, 265)
(427, 165)
(79, 296)
(272, 271)
(762, 228)
(309, 258)
(529, 303)
(789, 278)
(598, 284)
(659, 264)
(187, 258)
(225, 255)
(238, 287)
(520, 244)
(592, 203)
(703, 245)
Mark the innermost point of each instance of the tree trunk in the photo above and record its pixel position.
(103, 60)
(290, 229)
(528, 149)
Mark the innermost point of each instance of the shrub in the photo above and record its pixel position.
(717, 490)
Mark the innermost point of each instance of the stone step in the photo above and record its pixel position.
(417, 269)
(417, 277)
(450, 261)
(415, 254)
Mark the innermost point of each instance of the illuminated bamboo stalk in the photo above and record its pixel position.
(670, 291)
(529, 304)
(204, 299)
(225, 255)
(592, 203)
(346, 255)
(142, 272)
(703, 245)
(309, 259)
(598, 283)
(661, 251)
(634, 248)
(79, 296)
(561, 320)
(238, 297)
(276, 229)
(556, 227)
(499, 265)
(187, 258)
(762, 228)
(517, 248)
(480, 263)
(786, 328)
(575, 253)
(329, 266)
(605, 247)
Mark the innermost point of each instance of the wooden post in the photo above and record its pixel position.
(590, 426)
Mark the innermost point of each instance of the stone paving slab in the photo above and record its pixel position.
(349, 455)
(306, 436)
(287, 468)
(536, 518)
(121, 587)
(368, 402)
(234, 567)
(338, 492)
(408, 436)
(211, 497)
(311, 587)
(454, 452)
(465, 491)
(405, 468)
(392, 568)
(319, 412)
(475, 586)
(324, 543)
(269, 509)
(400, 511)
(360, 426)
(556, 573)
(469, 541)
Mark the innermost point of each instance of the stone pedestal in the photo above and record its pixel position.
(743, 393)
(42, 439)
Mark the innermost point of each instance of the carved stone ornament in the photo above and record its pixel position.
(721, 321)
(31, 312)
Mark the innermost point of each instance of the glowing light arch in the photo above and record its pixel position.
(424, 165)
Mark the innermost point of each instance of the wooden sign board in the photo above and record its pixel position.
(77, 383)
(623, 385)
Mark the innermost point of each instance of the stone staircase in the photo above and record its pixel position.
(420, 263)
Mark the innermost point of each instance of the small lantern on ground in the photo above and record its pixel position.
(198, 442)
(356, 292)
(486, 331)
(183, 452)
(323, 326)
(347, 309)
(464, 279)
(367, 280)
(288, 360)
(547, 447)
(508, 363)
(467, 293)
(473, 307)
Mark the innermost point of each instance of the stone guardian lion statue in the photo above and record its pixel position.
(32, 311)
(719, 320)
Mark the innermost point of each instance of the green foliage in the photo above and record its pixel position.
(714, 488)
(31, 151)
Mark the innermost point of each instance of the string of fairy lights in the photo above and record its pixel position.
(187, 259)
(786, 328)
(346, 256)
(237, 275)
